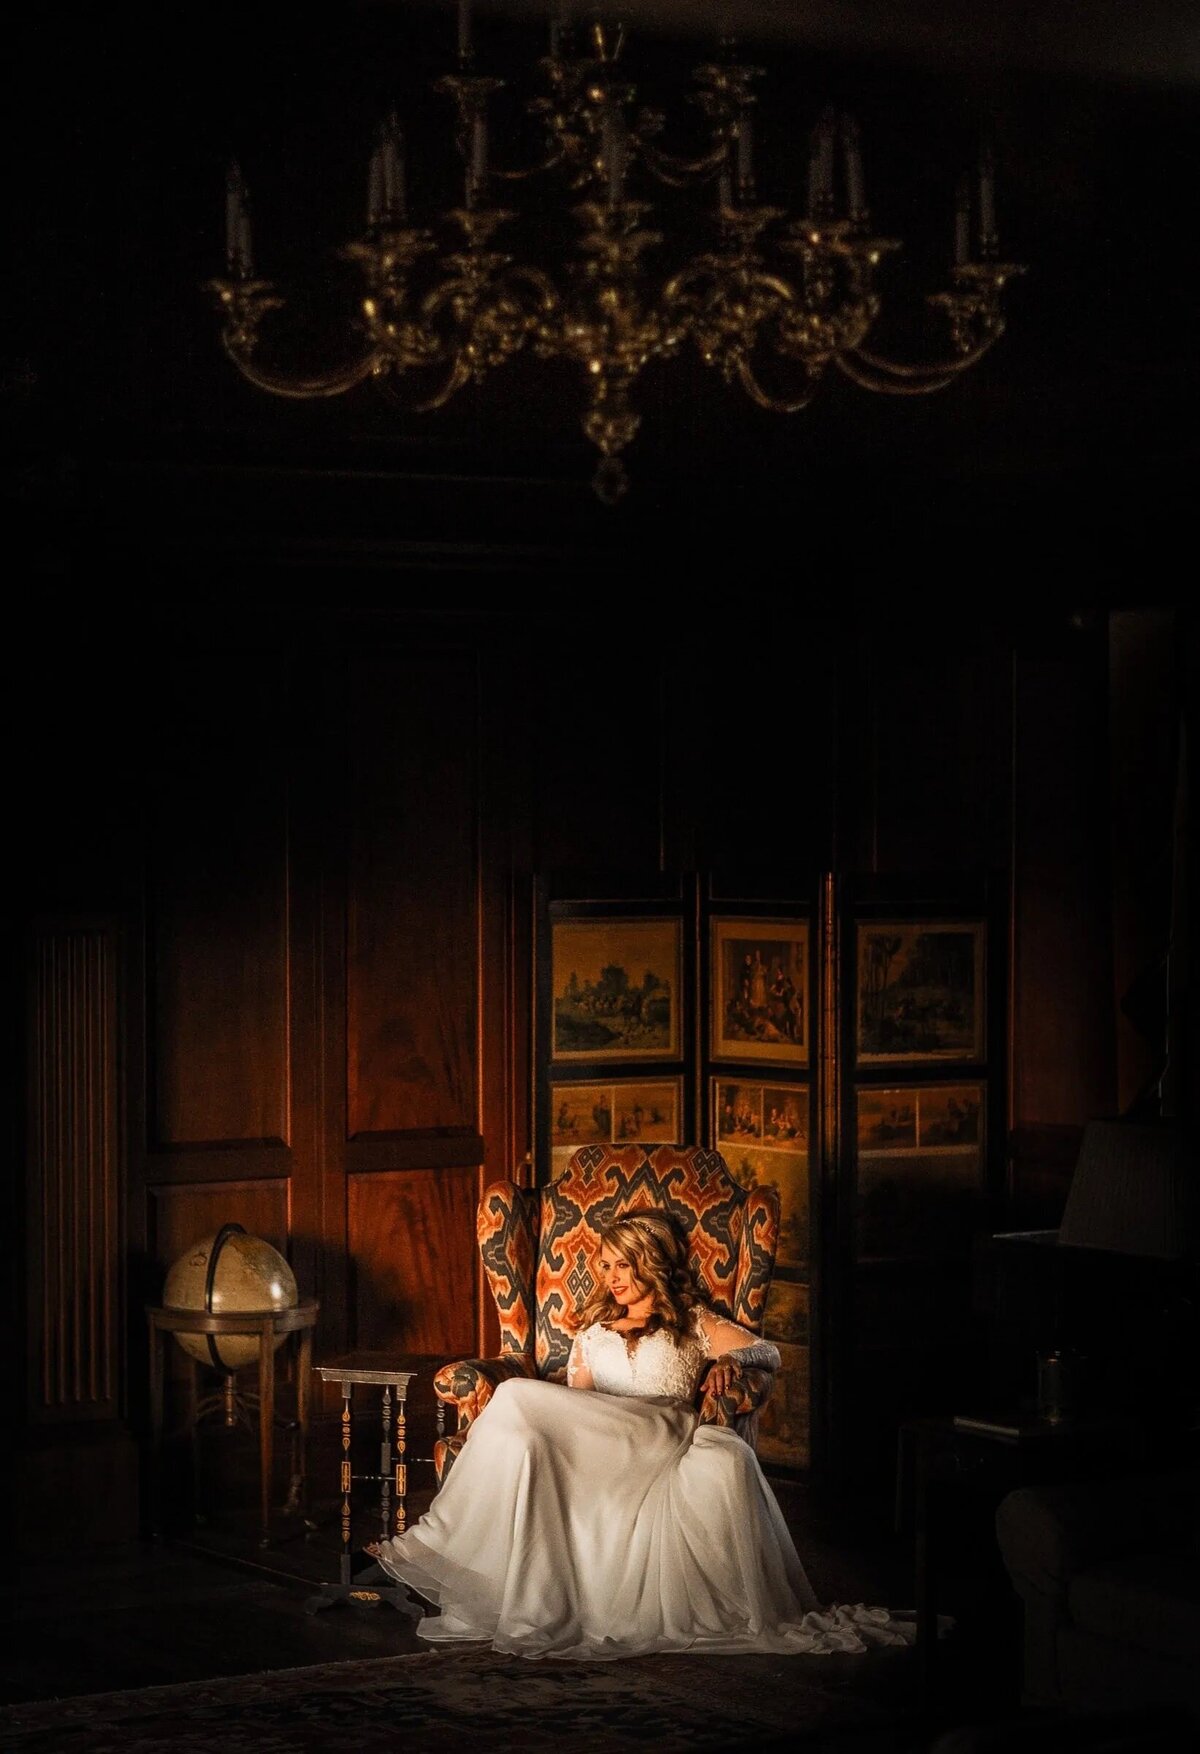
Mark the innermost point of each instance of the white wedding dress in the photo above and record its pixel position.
(608, 1522)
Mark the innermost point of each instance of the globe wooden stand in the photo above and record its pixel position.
(268, 1325)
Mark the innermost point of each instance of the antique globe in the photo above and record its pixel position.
(229, 1273)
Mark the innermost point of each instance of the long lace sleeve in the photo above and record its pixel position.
(724, 1339)
(579, 1371)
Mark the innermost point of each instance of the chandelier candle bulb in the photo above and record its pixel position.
(479, 152)
(392, 157)
(814, 173)
(820, 168)
(745, 156)
(233, 213)
(464, 30)
(962, 223)
(825, 159)
(987, 204)
(375, 188)
(612, 135)
(855, 191)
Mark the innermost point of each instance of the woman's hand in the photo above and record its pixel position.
(723, 1373)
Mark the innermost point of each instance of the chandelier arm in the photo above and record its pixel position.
(459, 375)
(439, 296)
(867, 380)
(947, 368)
(764, 399)
(679, 173)
(551, 163)
(538, 282)
(334, 383)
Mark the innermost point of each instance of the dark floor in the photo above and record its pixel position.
(213, 1603)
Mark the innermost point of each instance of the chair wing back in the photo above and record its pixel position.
(756, 1256)
(506, 1225)
(731, 1232)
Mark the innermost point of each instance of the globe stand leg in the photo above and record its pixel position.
(158, 1341)
(266, 1424)
(193, 1421)
(303, 1414)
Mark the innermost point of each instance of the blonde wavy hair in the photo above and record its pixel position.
(657, 1253)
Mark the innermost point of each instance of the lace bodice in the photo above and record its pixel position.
(650, 1365)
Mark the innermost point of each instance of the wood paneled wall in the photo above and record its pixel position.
(215, 1137)
(218, 907)
(412, 949)
(320, 1014)
(1062, 1019)
(315, 1017)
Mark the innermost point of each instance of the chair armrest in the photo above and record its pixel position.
(1048, 1534)
(751, 1391)
(468, 1384)
(446, 1452)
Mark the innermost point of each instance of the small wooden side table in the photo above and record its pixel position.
(392, 1373)
(268, 1325)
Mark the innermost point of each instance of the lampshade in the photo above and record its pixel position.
(1131, 1192)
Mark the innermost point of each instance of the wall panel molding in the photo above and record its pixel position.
(74, 1173)
(218, 1163)
(178, 1215)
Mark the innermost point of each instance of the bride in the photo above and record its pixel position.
(599, 1519)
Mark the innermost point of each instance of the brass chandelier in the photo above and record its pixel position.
(769, 301)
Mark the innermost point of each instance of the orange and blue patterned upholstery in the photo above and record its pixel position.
(540, 1246)
(506, 1225)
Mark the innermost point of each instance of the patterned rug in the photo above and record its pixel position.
(469, 1699)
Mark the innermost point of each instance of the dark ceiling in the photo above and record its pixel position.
(1156, 40)
(1068, 457)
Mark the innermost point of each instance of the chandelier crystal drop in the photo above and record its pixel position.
(770, 301)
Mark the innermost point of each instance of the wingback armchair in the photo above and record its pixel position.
(540, 1246)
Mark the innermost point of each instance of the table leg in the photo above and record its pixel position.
(385, 1467)
(903, 1493)
(924, 1569)
(304, 1414)
(157, 1366)
(401, 1453)
(344, 1571)
(266, 1423)
(193, 1419)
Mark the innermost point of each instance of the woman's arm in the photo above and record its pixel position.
(730, 1347)
(579, 1376)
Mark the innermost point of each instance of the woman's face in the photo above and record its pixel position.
(617, 1272)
